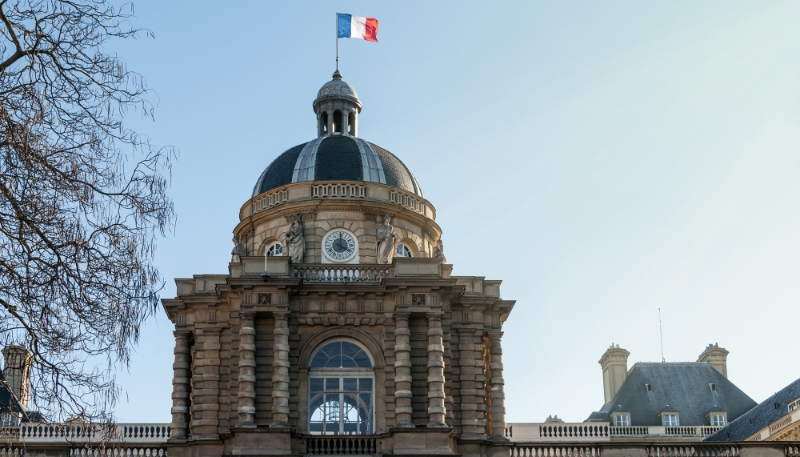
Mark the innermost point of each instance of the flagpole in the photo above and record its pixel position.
(337, 41)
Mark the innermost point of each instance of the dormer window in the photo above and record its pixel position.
(648, 387)
(794, 404)
(712, 386)
(670, 420)
(621, 419)
(718, 420)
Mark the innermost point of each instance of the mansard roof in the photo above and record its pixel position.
(684, 387)
(767, 412)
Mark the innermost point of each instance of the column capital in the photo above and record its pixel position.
(248, 313)
(182, 333)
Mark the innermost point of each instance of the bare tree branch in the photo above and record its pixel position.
(82, 200)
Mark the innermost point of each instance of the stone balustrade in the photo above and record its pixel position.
(81, 433)
(598, 432)
(342, 445)
(644, 449)
(344, 274)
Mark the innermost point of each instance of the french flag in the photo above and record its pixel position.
(365, 28)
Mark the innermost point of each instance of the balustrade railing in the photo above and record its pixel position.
(119, 452)
(12, 452)
(345, 274)
(597, 432)
(698, 450)
(83, 433)
(341, 445)
(554, 451)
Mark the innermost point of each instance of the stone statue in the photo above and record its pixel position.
(438, 251)
(295, 243)
(238, 250)
(387, 241)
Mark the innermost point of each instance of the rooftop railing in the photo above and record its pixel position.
(595, 432)
(83, 433)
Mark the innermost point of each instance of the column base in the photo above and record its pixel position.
(404, 424)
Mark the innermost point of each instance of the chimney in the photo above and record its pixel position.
(717, 357)
(17, 370)
(615, 370)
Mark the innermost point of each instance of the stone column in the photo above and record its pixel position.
(496, 381)
(247, 370)
(402, 371)
(205, 384)
(180, 385)
(280, 371)
(471, 403)
(436, 410)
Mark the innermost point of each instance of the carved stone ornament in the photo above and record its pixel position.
(264, 299)
(418, 299)
(238, 250)
(295, 242)
(387, 241)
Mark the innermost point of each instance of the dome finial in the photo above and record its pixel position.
(337, 75)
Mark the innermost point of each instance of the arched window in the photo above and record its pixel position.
(351, 124)
(403, 250)
(337, 121)
(323, 123)
(341, 390)
(274, 250)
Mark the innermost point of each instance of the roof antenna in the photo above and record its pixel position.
(661, 333)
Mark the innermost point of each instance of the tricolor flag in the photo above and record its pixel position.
(365, 28)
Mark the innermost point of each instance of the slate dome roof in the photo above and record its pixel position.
(337, 158)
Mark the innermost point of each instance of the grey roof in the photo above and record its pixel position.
(767, 412)
(684, 387)
(8, 402)
(337, 158)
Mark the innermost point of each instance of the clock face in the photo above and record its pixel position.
(339, 245)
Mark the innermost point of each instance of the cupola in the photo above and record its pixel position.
(337, 107)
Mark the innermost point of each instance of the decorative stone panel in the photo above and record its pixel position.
(338, 191)
(406, 201)
(270, 200)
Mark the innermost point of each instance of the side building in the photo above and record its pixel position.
(775, 419)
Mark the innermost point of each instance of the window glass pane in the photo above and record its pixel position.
(316, 385)
(350, 384)
(362, 360)
(331, 384)
(365, 384)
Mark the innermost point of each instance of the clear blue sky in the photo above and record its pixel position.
(604, 159)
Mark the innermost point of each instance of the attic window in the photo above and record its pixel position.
(649, 387)
(793, 405)
(713, 387)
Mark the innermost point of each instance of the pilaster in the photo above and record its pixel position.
(436, 410)
(497, 384)
(402, 371)
(247, 370)
(280, 371)
(180, 385)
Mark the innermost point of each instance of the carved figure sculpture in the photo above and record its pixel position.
(295, 243)
(238, 250)
(438, 251)
(387, 240)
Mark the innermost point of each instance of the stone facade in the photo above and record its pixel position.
(247, 375)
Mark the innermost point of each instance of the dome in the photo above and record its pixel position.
(337, 158)
(337, 89)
